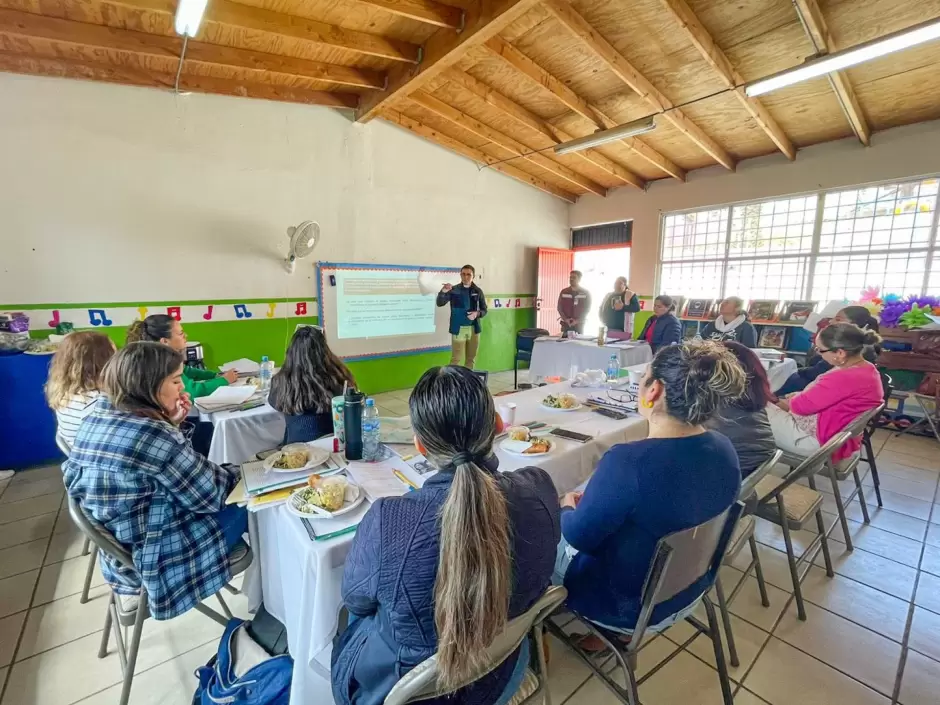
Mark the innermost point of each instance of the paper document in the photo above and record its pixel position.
(327, 528)
(258, 480)
(378, 479)
(242, 366)
(233, 395)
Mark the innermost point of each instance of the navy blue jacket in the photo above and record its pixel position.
(301, 428)
(462, 302)
(641, 492)
(388, 584)
(668, 330)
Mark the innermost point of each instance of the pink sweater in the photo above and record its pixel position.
(839, 397)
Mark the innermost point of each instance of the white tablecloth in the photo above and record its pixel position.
(552, 357)
(780, 371)
(239, 435)
(302, 579)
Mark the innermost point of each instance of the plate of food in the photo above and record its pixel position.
(522, 442)
(325, 498)
(561, 402)
(296, 457)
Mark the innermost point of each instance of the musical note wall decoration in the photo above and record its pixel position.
(301, 308)
(271, 309)
(97, 317)
(143, 312)
(174, 313)
(207, 316)
(518, 303)
(55, 319)
(497, 303)
(241, 311)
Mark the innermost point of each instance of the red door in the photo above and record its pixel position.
(554, 268)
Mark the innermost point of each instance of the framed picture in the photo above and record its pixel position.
(772, 337)
(763, 310)
(796, 311)
(699, 308)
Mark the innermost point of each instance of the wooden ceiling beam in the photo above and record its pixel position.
(397, 118)
(815, 23)
(427, 11)
(233, 14)
(627, 73)
(113, 73)
(455, 116)
(27, 25)
(716, 58)
(444, 49)
(502, 49)
(549, 134)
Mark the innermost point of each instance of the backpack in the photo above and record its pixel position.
(243, 672)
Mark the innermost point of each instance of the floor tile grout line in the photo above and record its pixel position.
(902, 663)
(38, 538)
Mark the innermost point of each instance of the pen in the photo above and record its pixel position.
(411, 486)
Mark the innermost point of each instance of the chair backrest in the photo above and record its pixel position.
(887, 383)
(483, 375)
(525, 338)
(857, 427)
(750, 482)
(682, 559)
(421, 682)
(100, 536)
(62, 444)
(810, 466)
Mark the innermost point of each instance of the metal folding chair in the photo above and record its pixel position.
(789, 505)
(87, 550)
(869, 457)
(420, 683)
(131, 611)
(681, 559)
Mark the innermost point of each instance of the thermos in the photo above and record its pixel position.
(353, 403)
(339, 423)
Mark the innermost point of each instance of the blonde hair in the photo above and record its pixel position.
(77, 366)
(454, 417)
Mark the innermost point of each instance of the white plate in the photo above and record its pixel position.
(518, 447)
(316, 456)
(555, 408)
(354, 497)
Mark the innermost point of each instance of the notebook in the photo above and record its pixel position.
(378, 479)
(258, 480)
(323, 529)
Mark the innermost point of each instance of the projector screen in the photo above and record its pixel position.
(375, 310)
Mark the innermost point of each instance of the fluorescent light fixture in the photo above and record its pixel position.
(906, 38)
(189, 16)
(630, 129)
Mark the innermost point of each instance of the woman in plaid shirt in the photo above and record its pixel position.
(132, 471)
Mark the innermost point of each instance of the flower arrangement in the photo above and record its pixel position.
(893, 310)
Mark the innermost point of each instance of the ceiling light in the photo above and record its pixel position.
(188, 16)
(858, 54)
(630, 129)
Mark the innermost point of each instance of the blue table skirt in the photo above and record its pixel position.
(27, 425)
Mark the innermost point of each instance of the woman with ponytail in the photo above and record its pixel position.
(444, 568)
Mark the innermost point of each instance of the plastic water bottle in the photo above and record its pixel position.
(265, 373)
(370, 431)
(613, 370)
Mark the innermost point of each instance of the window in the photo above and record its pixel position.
(790, 248)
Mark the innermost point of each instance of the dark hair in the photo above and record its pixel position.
(861, 316)
(152, 329)
(454, 417)
(757, 392)
(667, 302)
(851, 338)
(575, 271)
(470, 267)
(311, 376)
(77, 366)
(133, 377)
(698, 377)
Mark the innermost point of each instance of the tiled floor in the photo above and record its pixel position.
(872, 634)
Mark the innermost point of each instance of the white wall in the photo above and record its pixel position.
(895, 154)
(112, 193)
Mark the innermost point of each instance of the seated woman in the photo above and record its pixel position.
(743, 421)
(160, 328)
(731, 324)
(816, 365)
(133, 472)
(617, 304)
(663, 328)
(445, 567)
(805, 421)
(74, 379)
(304, 387)
(682, 475)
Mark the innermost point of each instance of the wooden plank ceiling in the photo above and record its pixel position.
(503, 81)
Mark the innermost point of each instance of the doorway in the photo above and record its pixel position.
(600, 267)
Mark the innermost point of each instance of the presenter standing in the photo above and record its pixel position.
(467, 307)
(574, 304)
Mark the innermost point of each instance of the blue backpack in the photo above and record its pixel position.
(243, 672)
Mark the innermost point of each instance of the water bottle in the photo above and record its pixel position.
(613, 370)
(370, 431)
(352, 422)
(265, 373)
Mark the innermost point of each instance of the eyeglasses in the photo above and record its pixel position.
(822, 352)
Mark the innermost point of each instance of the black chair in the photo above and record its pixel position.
(869, 457)
(681, 559)
(525, 341)
(483, 375)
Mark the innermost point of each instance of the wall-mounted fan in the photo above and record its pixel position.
(303, 238)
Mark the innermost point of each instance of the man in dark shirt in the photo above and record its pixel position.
(574, 304)
(467, 307)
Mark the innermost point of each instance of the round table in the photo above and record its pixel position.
(554, 357)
